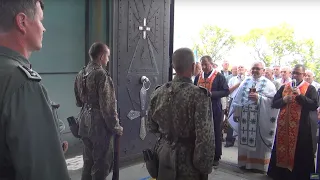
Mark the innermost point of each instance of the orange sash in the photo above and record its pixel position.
(288, 128)
(207, 82)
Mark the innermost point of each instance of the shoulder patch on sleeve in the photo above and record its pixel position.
(205, 91)
(31, 74)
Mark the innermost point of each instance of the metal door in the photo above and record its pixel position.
(141, 30)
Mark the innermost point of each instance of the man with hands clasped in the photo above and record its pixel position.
(252, 117)
(289, 98)
(217, 86)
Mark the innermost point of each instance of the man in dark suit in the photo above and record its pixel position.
(217, 85)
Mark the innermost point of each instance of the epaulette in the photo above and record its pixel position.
(31, 74)
(166, 85)
(157, 87)
(206, 92)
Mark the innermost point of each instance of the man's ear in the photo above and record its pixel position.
(193, 65)
(21, 21)
(101, 56)
(193, 68)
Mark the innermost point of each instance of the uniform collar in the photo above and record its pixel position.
(181, 79)
(4, 51)
(93, 65)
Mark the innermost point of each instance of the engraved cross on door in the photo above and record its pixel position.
(144, 28)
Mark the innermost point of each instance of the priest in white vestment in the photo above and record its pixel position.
(252, 117)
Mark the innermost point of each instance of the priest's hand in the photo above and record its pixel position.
(296, 91)
(254, 96)
(287, 99)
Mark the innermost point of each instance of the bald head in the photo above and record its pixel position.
(96, 50)
(234, 70)
(285, 72)
(309, 77)
(183, 60)
(261, 63)
(310, 72)
(257, 69)
(269, 73)
(225, 65)
(99, 53)
(286, 68)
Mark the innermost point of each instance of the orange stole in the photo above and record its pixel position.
(207, 82)
(288, 128)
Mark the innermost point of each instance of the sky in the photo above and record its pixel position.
(241, 16)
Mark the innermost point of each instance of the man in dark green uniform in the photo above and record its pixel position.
(29, 142)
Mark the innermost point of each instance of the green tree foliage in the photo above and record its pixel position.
(215, 42)
(308, 55)
(270, 45)
(257, 41)
(281, 40)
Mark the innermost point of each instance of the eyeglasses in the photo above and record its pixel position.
(296, 73)
(256, 68)
(283, 71)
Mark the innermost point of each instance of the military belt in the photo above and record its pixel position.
(185, 141)
(92, 106)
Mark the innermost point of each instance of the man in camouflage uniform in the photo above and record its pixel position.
(29, 141)
(94, 92)
(181, 112)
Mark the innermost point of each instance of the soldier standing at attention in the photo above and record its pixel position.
(95, 94)
(181, 112)
(29, 141)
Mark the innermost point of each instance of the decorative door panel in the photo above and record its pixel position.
(141, 49)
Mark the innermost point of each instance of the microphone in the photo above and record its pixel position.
(294, 83)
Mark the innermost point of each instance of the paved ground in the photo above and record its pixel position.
(226, 171)
(138, 172)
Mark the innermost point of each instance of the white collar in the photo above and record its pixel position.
(212, 72)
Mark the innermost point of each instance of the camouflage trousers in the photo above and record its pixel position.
(97, 158)
(176, 163)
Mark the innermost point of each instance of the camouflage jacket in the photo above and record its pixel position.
(183, 109)
(101, 96)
